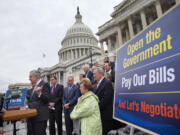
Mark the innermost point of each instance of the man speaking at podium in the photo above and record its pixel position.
(38, 98)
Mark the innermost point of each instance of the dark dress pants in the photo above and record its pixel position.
(68, 122)
(106, 126)
(36, 127)
(55, 116)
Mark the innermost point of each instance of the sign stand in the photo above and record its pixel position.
(132, 131)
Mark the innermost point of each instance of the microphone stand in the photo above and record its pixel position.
(14, 121)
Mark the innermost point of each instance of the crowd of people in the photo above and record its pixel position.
(87, 105)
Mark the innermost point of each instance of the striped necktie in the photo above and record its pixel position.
(53, 90)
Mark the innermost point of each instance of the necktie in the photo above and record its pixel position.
(69, 88)
(35, 87)
(53, 90)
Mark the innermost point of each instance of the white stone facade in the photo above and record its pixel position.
(78, 47)
(129, 18)
(19, 86)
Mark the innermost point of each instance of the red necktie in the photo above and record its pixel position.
(53, 90)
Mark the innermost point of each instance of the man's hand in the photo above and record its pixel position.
(38, 90)
(23, 108)
(51, 105)
(3, 110)
(66, 106)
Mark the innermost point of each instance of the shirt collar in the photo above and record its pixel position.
(100, 80)
(109, 71)
(38, 82)
(54, 85)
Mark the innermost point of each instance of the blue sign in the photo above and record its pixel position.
(17, 101)
(147, 93)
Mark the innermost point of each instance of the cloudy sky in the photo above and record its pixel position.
(29, 28)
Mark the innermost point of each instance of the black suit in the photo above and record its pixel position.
(112, 73)
(105, 94)
(37, 125)
(56, 115)
(89, 75)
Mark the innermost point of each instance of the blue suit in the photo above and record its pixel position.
(71, 94)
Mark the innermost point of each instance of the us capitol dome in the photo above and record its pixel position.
(78, 41)
(79, 47)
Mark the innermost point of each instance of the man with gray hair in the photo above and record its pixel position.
(104, 91)
(88, 74)
(38, 98)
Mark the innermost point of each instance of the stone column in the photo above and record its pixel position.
(72, 54)
(119, 37)
(66, 55)
(69, 54)
(127, 34)
(143, 19)
(102, 48)
(109, 44)
(80, 52)
(59, 77)
(63, 56)
(131, 31)
(76, 53)
(158, 8)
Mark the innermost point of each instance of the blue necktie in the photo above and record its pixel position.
(69, 88)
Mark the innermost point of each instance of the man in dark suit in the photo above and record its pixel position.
(88, 74)
(71, 94)
(104, 91)
(108, 69)
(38, 98)
(55, 107)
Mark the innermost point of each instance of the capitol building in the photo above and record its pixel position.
(79, 48)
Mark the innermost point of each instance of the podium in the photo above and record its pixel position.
(19, 114)
(15, 115)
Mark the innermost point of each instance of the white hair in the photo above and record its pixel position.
(100, 70)
(35, 73)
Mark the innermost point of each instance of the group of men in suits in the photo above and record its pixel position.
(50, 101)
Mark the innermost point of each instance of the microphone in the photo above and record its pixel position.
(13, 96)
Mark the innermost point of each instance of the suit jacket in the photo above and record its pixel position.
(112, 76)
(71, 96)
(105, 94)
(57, 97)
(89, 75)
(39, 103)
